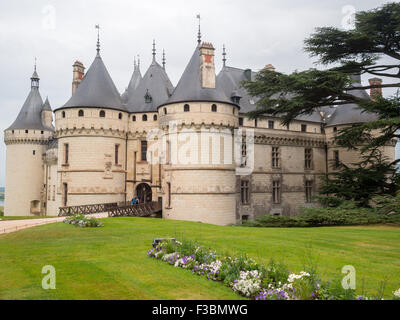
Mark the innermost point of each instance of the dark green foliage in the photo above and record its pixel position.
(345, 214)
(334, 290)
(361, 181)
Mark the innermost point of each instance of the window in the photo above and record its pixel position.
(322, 128)
(63, 114)
(80, 113)
(276, 161)
(244, 152)
(276, 191)
(12, 131)
(34, 152)
(214, 108)
(144, 150)
(116, 153)
(120, 116)
(308, 190)
(168, 194)
(186, 108)
(255, 123)
(245, 217)
(102, 114)
(66, 153)
(65, 194)
(244, 191)
(165, 110)
(336, 159)
(144, 117)
(303, 128)
(26, 131)
(155, 117)
(271, 124)
(54, 193)
(42, 132)
(133, 118)
(240, 121)
(334, 129)
(308, 158)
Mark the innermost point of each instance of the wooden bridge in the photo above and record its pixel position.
(115, 209)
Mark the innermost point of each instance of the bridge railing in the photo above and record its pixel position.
(114, 209)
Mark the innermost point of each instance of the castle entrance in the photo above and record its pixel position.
(143, 193)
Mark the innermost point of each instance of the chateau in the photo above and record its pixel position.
(214, 165)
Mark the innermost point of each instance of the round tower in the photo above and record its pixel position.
(198, 122)
(26, 141)
(91, 129)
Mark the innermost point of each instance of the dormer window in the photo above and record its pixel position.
(186, 108)
(80, 113)
(214, 108)
(147, 97)
(102, 114)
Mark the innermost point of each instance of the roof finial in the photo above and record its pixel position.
(198, 33)
(154, 50)
(98, 38)
(35, 64)
(138, 62)
(223, 55)
(35, 78)
(163, 59)
(134, 63)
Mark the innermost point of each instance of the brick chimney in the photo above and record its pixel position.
(207, 68)
(375, 92)
(77, 75)
(269, 67)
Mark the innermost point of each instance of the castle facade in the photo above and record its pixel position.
(191, 146)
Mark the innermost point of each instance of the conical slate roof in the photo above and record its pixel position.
(30, 115)
(133, 84)
(189, 87)
(96, 89)
(46, 105)
(351, 113)
(153, 90)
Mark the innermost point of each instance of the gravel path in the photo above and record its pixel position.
(7, 226)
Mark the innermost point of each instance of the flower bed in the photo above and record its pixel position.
(80, 220)
(250, 279)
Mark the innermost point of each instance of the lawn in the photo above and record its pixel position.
(24, 217)
(111, 262)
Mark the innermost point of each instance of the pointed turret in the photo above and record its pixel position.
(198, 80)
(153, 90)
(133, 83)
(47, 114)
(30, 116)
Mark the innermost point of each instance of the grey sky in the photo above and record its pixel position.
(255, 32)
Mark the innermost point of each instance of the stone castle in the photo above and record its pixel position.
(99, 149)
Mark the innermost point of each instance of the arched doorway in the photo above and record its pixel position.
(143, 193)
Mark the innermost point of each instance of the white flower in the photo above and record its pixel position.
(397, 293)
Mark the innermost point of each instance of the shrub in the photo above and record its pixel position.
(345, 214)
(81, 221)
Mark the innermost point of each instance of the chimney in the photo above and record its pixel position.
(375, 92)
(77, 75)
(247, 74)
(269, 67)
(207, 68)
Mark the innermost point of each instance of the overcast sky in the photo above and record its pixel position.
(255, 32)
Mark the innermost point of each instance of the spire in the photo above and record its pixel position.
(154, 50)
(35, 78)
(163, 59)
(98, 39)
(223, 56)
(134, 63)
(199, 32)
(138, 62)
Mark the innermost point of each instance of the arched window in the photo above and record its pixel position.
(144, 117)
(214, 108)
(120, 116)
(155, 117)
(165, 110)
(102, 114)
(80, 113)
(334, 129)
(63, 114)
(186, 108)
(133, 118)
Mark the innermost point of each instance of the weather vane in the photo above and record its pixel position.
(98, 37)
(199, 33)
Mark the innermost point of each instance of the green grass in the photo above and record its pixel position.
(24, 217)
(111, 262)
